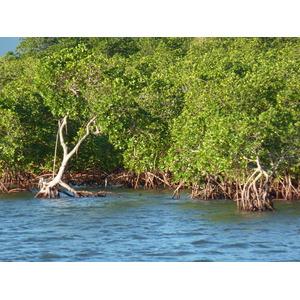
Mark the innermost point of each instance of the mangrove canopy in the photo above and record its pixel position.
(220, 116)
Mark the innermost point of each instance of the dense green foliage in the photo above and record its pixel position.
(194, 106)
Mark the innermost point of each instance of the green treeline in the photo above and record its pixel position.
(196, 107)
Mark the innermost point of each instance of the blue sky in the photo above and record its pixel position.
(8, 44)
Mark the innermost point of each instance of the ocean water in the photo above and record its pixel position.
(144, 226)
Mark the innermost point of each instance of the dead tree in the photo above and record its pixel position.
(49, 189)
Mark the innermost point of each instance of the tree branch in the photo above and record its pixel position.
(62, 124)
(83, 138)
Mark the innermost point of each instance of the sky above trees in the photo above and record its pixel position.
(8, 44)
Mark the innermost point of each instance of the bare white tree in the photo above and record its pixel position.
(49, 189)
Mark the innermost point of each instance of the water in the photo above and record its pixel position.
(144, 226)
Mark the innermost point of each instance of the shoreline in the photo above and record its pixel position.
(230, 190)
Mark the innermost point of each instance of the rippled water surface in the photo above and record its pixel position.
(144, 226)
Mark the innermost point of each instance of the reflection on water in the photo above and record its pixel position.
(144, 226)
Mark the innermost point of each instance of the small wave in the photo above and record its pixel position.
(278, 251)
(182, 253)
(47, 239)
(138, 237)
(204, 242)
(235, 245)
(261, 245)
(213, 252)
(50, 256)
(203, 260)
(35, 239)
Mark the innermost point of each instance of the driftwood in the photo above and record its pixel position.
(16, 190)
(88, 193)
(49, 189)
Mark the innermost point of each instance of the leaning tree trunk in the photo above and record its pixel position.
(50, 189)
(255, 195)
